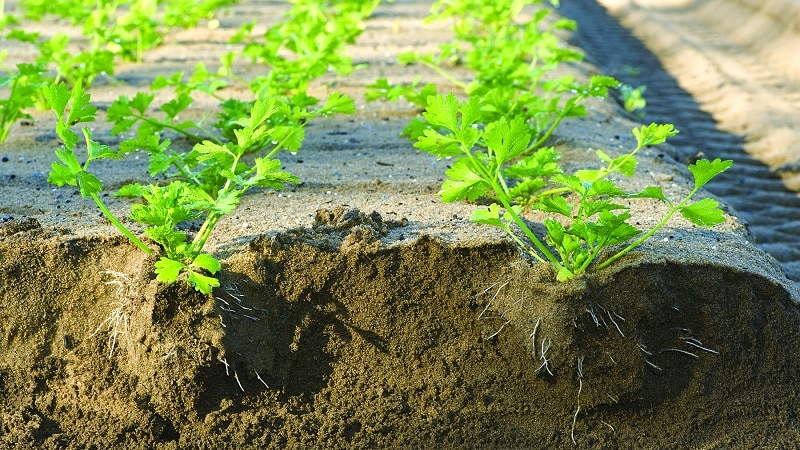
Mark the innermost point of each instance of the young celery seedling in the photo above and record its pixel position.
(69, 170)
(496, 161)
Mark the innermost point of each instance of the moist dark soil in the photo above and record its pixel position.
(358, 311)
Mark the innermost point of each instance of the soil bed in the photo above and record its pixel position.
(358, 311)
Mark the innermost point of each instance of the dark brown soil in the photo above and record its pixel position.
(357, 311)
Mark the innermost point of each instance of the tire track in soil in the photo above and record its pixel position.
(752, 188)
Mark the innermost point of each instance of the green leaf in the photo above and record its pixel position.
(202, 283)
(470, 114)
(57, 96)
(269, 174)
(654, 134)
(443, 112)
(604, 188)
(141, 102)
(571, 182)
(705, 213)
(290, 137)
(167, 270)
(438, 145)
(488, 216)
(81, 110)
(226, 202)
(209, 150)
(705, 170)
(173, 241)
(653, 192)
(88, 184)
(463, 182)
(542, 164)
(507, 140)
(131, 190)
(97, 150)
(564, 274)
(555, 204)
(625, 164)
(207, 262)
(337, 103)
(175, 106)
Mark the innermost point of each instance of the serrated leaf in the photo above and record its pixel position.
(141, 102)
(542, 164)
(290, 137)
(80, 109)
(604, 187)
(207, 262)
(88, 184)
(415, 129)
(654, 134)
(704, 170)
(96, 150)
(507, 140)
(705, 213)
(625, 164)
(69, 159)
(226, 202)
(555, 231)
(172, 240)
(175, 106)
(438, 145)
(488, 216)
(653, 192)
(61, 175)
(208, 150)
(590, 208)
(269, 174)
(442, 112)
(463, 182)
(555, 204)
(202, 283)
(57, 96)
(470, 114)
(569, 181)
(337, 103)
(262, 110)
(131, 190)
(167, 270)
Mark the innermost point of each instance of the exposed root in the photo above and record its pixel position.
(118, 322)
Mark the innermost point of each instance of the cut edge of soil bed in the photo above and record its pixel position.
(409, 344)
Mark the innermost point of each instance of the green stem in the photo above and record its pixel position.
(120, 226)
(554, 125)
(202, 236)
(183, 170)
(446, 75)
(673, 209)
(166, 125)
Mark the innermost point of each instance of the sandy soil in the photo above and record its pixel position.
(358, 311)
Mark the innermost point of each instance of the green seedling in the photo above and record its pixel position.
(209, 182)
(512, 61)
(306, 45)
(633, 98)
(586, 211)
(23, 85)
(72, 108)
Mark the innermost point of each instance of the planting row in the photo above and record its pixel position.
(495, 129)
